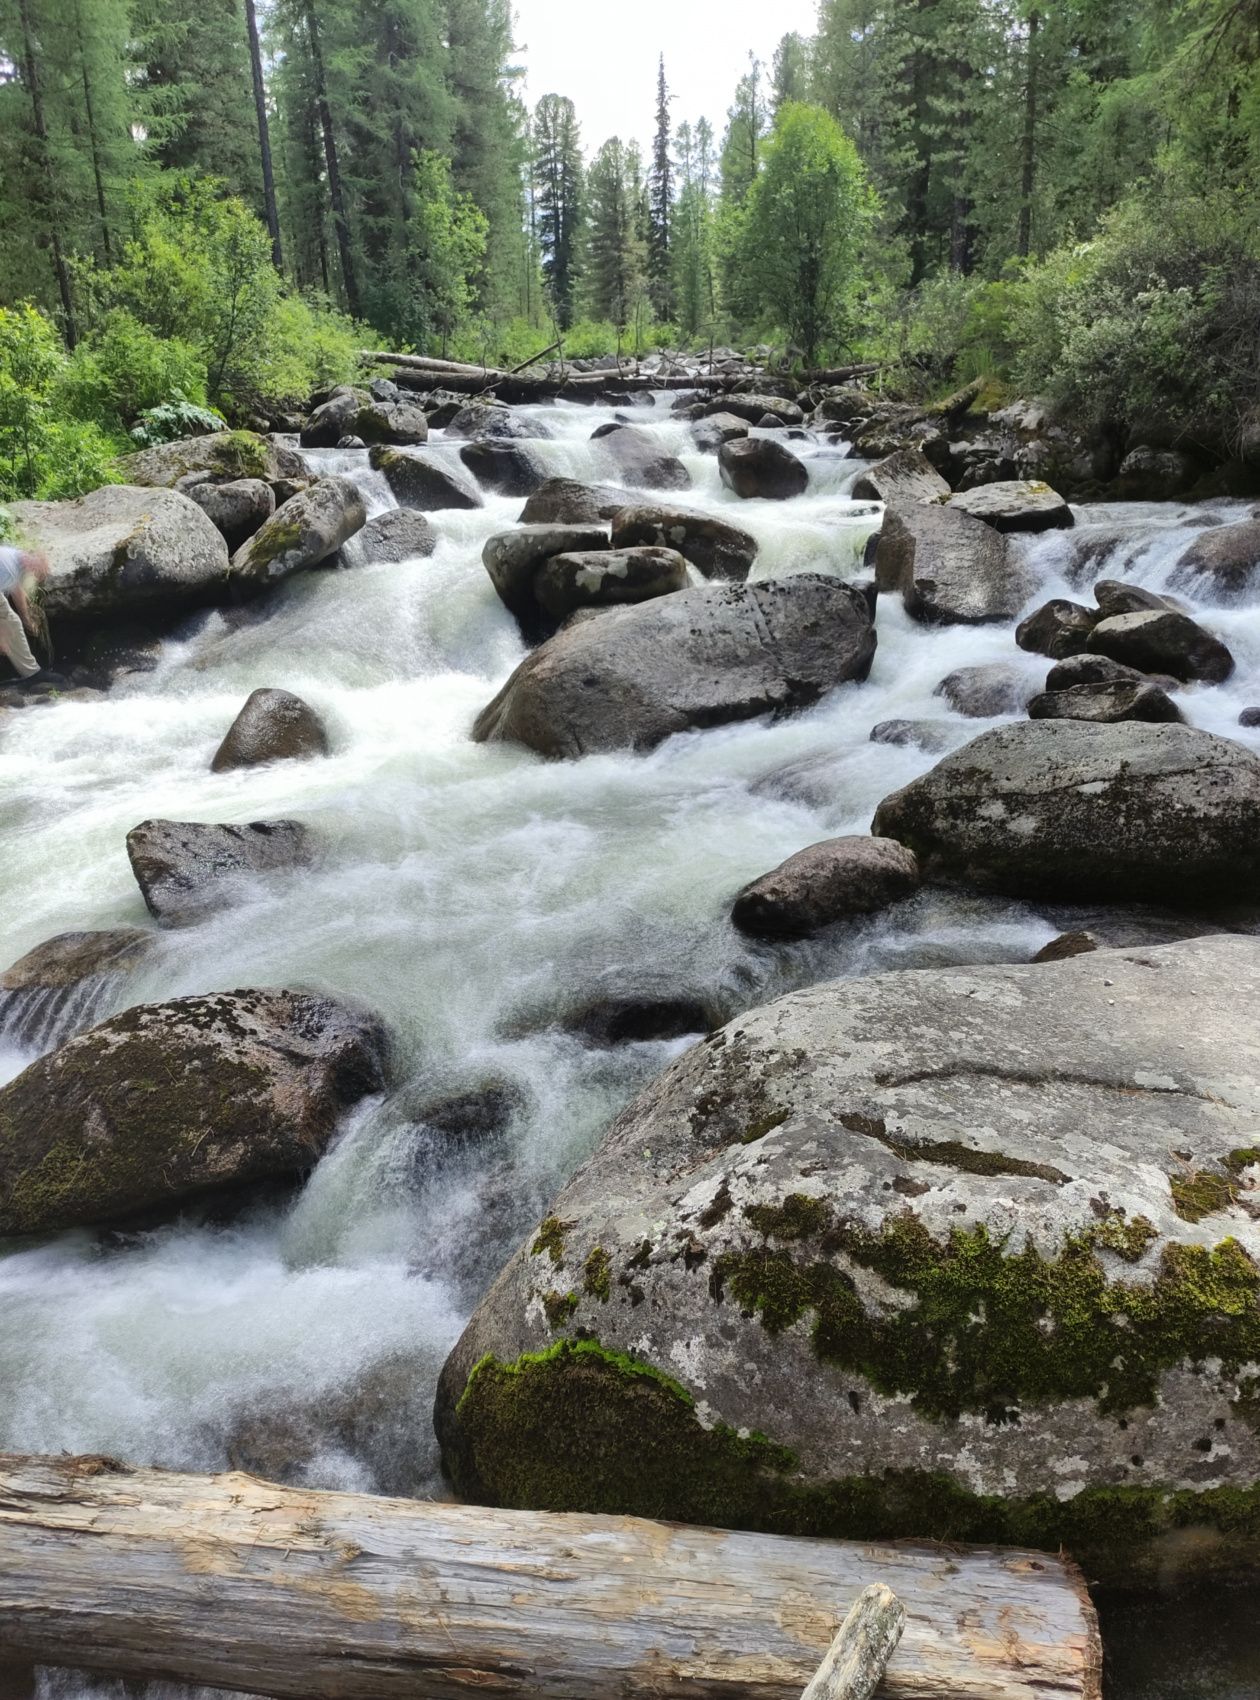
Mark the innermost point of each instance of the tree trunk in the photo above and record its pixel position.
(264, 136)
(46, 167)
(245, 1585)
(93, 139)
(340, 223)
(1029, 179)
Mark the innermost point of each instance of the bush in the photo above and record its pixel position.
(125, 370)
(173, 421)
(43, 453)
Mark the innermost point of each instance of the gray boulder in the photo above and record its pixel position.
(168, 1102)
(1016, 505)
(1114, 597)
(421, 479)
(563, 501)
(186, 869)
(906, 478)
(966, 1254)
(399, 423)
(1163, 641)
(606, 578)
(632, 677)
(308, 529)
(758, 466)
(1154, 475)
(507, 468)
(713, 547)
(1223, 562)
(237, 509)
(70, 958)
(1059, 628)
(949, 568)
(1091, 670)
(753, 409)
(125, 550)
(1107, 703)
(477, 419)
(273, 725)
(718, 428)
(399, 534)
(224, 456)
(330, 421)
(636, 457)
(1059, 808)
(934, 736)
(993, 687)
(827, 882)
(513, 558)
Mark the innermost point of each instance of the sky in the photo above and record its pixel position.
(603, 53)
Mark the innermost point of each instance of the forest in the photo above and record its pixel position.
(218, 207)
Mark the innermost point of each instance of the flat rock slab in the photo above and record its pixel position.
(907, 478)
(186, 869)
(1016, 505)
(968, 1253)
(948, 568)
(631, 677)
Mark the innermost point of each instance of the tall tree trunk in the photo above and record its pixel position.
(1029, 181)
(93, 139)
(264, 136)
(340, 223)
(46, 169)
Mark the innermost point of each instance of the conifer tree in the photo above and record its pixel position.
(558, 195)
(661, 203)
(616, 252)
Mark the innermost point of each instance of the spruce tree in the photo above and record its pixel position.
(615, 250)
(661, 204)
(558, 196)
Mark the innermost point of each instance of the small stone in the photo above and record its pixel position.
(273, 725)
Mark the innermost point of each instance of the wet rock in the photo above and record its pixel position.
(1058, 629)
(124, 550)
(223, 456)
(1163, 641)
(906, 478)
(929, 735)
(1059, 808)
(949, 568)
(1223, 562)
(606, 578)
(1114, 597)
(306, 531)
(636, 456)
(825, 883)
(186, 869)
(70, 958)
(634, 676)
(758, 466)
(754, 409)
(718, 428)
(513, 560)
(878, 1226)
(475, 1116)
(399, 534)
(273, 725)
(1106, 703)
(638, 1020)
(563, 501)
(237, 509)
(351, 443)
(420, 479)
(981, 692)
(1018, 505)
(398, 423)
(328, 423)
(1091, 670)
(713, 547)
(1249, 717)
(168, 1102)
(504, 467)
(1067, 945)
(478, 420)
(1154, 475)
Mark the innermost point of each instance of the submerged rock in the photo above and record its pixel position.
(930, 735)
(504, 467)
(874, 1262)
(949, 568)
(758, 466)
(304, 531)
(994, 687)
(272, 726)
(633, 676)
(824, 883)
(1224, 561)
(713, 547)
(1058, 808)
(170, 1101)
(1016, 505)
(186, 869)
(637, 457)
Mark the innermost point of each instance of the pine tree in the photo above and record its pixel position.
(558, 191)
(615, 252)
(661, 204)
(692, 251)
(264, 134)
(790, 75)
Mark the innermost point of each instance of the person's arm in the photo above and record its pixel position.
(31, 561)
(17, 596)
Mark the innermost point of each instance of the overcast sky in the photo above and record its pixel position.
(603, 53)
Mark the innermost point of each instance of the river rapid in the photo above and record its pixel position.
(471, 894)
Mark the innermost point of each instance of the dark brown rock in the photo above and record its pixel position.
(1058, 629)
(273, 725)
(758, 466)
(825, 883)
(1107, 703)
(186, 869)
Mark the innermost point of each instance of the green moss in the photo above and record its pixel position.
(240, 454)
(797, 1218)
(1242, 1159)
(762, 1126)
(1201, 1194)
(597, 1275)
(559, 1307)
(277, 537)
(550, 1239)
(1127, 1237)
(953, 1154)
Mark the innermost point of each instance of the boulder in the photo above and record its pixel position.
(758, 466)
(907, 478)
(1059, 808)
(993, 687)
(949, 568)
(223, 456)
(399, 534)
(718, 428)
(513, 558)
(399, 423)
(1163, 641)
(1016, 505)
(504, 467)
(713, 547)
(827, 882)
(1223, 562)
(1249, 718)
(934, 736)
(606, 578)
(1115, 597)
(631, 677)
(477, 419)
(753, 409)
(1058, 629)
(330, 421)
(423, 480)
(641, 1019)
(637, 457)
(125, 550)
(238, 509)
(475, 1117)
(70, 958)
(967, 1254)
(1154, 475)
(186, 869)
(171, 1101)
(273, 725)
(308, 529)
(1107, 703)
(563, 501)
(1091, 670)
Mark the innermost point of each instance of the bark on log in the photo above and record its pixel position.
(242, 1584)
(859, 1655)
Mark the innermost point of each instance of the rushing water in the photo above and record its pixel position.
(470, 894)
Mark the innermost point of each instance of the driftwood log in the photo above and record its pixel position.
(241, 1584)
(858, 1657)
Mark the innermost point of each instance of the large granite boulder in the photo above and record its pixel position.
(187, 869)
(513, 560)
(1016, 505)
(124, 550)
(223, 456)
(1161, 640)
(907, 478)
(754, 408)
(1223, 562)
(631, 677)
(170, 1101)
(398, 423)
(1058, 628)
(238, 508)
(564, 501)
(824, 883)
(399, 534)
(507, 468)
(715, 429)
(1107, 701)
(606, 578)
(713, 547)
(1060, 808)
(419, 478)
(969, 1254)
(483, 419)
(273, 725)
(758, 466)
(636, 457)
(328, 423)
(307, 529)
(948, 568)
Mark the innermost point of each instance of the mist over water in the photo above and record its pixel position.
(471, 894)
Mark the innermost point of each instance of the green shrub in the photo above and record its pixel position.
(77, 456)
(125, 369)
(173, 421)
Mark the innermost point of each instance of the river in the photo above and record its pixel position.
(470, 894)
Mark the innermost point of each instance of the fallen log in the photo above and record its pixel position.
(858, 1657)
(241, 1584)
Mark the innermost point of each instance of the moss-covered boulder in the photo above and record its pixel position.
(304, 531)
(969, 1254)
(171, 1101)
(426, 479)
(223, 455)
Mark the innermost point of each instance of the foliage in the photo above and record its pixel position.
(173, 421)
(448, 248)
(125, 369)
(558, 184)
(42, 454)
(616, 252)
